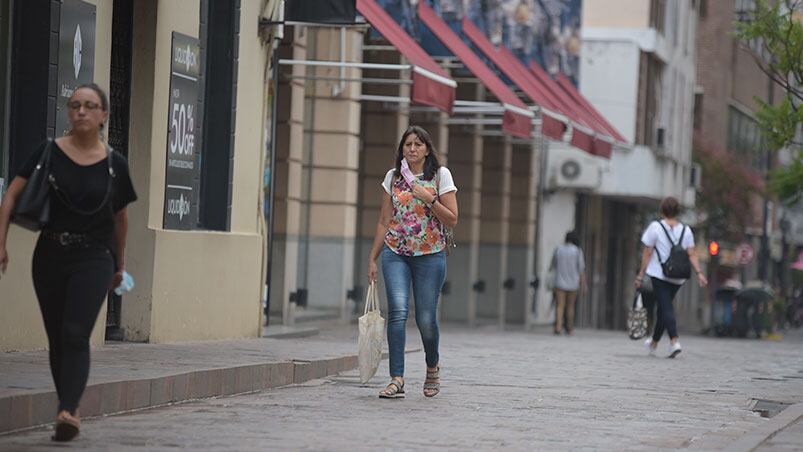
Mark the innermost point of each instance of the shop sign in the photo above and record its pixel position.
(76, 65)
(182, 171)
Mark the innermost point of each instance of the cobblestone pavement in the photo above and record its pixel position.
(501, 390)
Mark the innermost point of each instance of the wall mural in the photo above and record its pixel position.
(547, 31)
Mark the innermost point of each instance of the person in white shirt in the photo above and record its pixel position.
(661, 236)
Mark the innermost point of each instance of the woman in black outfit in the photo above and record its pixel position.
(80, 253)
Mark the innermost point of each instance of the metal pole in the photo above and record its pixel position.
(765, 252)
(543, 148)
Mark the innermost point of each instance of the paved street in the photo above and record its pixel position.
(512, 390)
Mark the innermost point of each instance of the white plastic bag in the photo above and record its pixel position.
(372, 330)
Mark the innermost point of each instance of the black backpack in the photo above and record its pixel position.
(678, 264)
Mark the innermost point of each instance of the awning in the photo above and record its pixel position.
(572, 90)
(431, 84)
(551, 125)
(583, 130)
(517, 119)
(320, 11)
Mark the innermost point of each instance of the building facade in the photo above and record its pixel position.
(637, 66)
(188, 114)
(729, 86)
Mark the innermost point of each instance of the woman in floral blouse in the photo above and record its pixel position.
(417, 207)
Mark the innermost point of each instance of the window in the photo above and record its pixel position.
(743, 9)
(745, 139)
(31, 98)
(220, 27)
(650, 80)
(698, 111)
(658, 15)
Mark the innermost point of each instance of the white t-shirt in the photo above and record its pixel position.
(445, 181)
(655, 237)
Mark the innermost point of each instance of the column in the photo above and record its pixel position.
(287, 196)
(522, 232)
(331, 164)
(465, 163)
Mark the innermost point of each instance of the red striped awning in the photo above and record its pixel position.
(583, 101)
(517, 119)
(551, 126)
(586, 132)
(432, 85)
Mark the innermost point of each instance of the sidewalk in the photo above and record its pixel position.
(129, 376)
(509, 390)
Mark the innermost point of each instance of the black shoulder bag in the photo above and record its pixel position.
(32, 208)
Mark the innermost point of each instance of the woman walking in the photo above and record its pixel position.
(418, 205)
(80, 253)
(662, 239)
(568, 265)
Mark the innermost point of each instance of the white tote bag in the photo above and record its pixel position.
(372, 330)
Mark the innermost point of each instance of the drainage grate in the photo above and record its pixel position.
(768, 408)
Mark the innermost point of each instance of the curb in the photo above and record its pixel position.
(753, 439)
(25, 411)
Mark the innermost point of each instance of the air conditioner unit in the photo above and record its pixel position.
(696, 176)
(574, 171)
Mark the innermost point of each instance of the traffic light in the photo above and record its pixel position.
(713, 248)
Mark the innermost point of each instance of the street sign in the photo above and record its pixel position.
(181, 174)
(744, 253)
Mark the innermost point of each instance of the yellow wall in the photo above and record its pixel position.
(616, 13)
(21, 325)
(203, 285)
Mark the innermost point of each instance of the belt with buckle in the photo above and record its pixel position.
(66, 238)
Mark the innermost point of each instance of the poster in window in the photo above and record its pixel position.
(182, 171)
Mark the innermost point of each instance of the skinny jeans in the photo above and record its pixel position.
(71, 283)
(427, 274)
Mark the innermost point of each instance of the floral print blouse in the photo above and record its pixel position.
(414, 230)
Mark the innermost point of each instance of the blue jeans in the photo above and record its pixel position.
(427, 274)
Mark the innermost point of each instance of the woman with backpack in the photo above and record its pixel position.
(418, 206)
(667, 259)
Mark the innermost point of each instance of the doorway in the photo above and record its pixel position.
(119, 110)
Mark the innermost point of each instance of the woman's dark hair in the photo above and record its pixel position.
(104, 100)
(432, 162)
(670, 207)
(571, 237)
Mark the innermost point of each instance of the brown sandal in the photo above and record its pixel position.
(67, 426)
(432, 385)
(394, 390)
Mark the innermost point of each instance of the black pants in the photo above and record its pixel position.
(71, 283)
(663, 294)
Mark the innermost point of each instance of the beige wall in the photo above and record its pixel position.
(200, 284)
(21, 323)
(616, 13)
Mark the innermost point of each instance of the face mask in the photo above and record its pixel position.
(406, 173)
